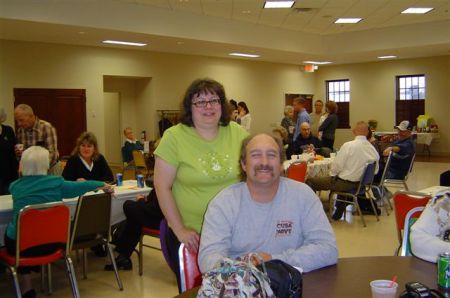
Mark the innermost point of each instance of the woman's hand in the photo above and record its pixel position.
(190, 238)
(108, 188)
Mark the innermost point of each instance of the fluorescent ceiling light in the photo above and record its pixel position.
(387, 57)
(244, 55)
(317, 62)
(347, 20)
(418, 10)
(127, 43)
(278, 4)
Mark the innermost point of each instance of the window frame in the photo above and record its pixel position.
(344, 105)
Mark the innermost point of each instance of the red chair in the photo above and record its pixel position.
(146, 231)
(297, 171)
(38, 225)
(403, 202)
(190, 275)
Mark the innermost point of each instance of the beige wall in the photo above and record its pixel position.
(372, 88)
(147, 81)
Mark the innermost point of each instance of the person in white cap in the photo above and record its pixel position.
(404, 147)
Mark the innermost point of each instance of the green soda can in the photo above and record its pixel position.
(444, 270)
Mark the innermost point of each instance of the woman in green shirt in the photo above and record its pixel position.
(195, 160)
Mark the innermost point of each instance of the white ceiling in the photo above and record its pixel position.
(218, 27)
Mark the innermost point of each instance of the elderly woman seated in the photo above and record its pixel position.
(35, 187)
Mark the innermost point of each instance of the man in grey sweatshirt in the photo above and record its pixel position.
(273, 216)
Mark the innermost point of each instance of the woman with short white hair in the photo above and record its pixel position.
(288, 123)
(35, 187)
(8, 160)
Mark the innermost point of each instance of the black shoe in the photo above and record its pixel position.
(122, 263)
(340, 209)
(29, 294)
(370, 211)
(99, 250)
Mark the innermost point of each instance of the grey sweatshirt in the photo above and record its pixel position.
(293, 227)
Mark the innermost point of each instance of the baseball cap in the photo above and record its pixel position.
(404, 125)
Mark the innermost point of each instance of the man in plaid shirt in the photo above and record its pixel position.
(33, 131)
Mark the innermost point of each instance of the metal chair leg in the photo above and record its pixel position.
(140, 256)
(113, 262)
(72, 277)
(42, 278)
(16, 281)
(355, 202)
(84, 264)
(49, 279)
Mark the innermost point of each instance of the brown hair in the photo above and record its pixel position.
(332, 107)
(204, 86)
(89, 138)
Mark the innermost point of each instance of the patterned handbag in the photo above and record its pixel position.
(236, 278)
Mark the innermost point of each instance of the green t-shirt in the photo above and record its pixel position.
(204, 168)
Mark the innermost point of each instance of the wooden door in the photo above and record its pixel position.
(65, 109)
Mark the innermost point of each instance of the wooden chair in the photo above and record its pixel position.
(39, 225)
(190, 275)
(140, 167)
(403, 202)
(92, 227)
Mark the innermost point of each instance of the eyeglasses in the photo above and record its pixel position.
(203, 103)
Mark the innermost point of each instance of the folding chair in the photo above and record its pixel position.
(365, 184)
(380, 187)
(297, 171)
(410, 219)
(400, 182)
(190, 275)
(403, 202)
(38, 225)
(92, 227)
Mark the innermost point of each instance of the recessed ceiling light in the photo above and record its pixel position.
(127, 43)
(419, 10)
(347, 20)
(387, 57)
(279, 4)
(244, 55)
(246, 11)
(180, 42)
(317, 62)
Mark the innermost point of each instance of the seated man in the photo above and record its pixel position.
(403, 149)
(130, 144)
(430, 235)
(348, 166)
(275, 217)
(304, 142)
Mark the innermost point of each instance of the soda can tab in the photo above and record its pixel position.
(140, 181)
(119, 179)
(444, 270)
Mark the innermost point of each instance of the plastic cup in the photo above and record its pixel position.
(382, 288)
(332, 155)
(294, 157)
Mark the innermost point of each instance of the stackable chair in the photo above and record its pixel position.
(410, 219)
(403, 202)
(364, 187)
(297, 171)
(92, 227)
(146, 231)
(401, 182)
(190, 275)
(41, 224)
(140, 167)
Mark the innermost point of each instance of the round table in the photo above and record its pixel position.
(350, 277)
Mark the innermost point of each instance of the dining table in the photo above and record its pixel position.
(128, 191)
(316, 167)
(350, 277)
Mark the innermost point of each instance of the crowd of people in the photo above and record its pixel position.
(220, 189)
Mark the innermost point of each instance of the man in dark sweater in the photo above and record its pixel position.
(304, 141)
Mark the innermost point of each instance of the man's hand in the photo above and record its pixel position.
(387, 151)
(141, 198)
(189, 237)
(262, 256)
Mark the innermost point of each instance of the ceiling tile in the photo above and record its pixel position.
(218, 8)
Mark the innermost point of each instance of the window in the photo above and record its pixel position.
(410, 98)
(339, 92)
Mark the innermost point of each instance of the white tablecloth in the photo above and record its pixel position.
(317, 168)
(128, 191)
(433, 190)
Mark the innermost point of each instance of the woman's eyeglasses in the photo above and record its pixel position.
(203, 103)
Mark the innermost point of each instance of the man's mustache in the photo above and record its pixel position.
(263, 168)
